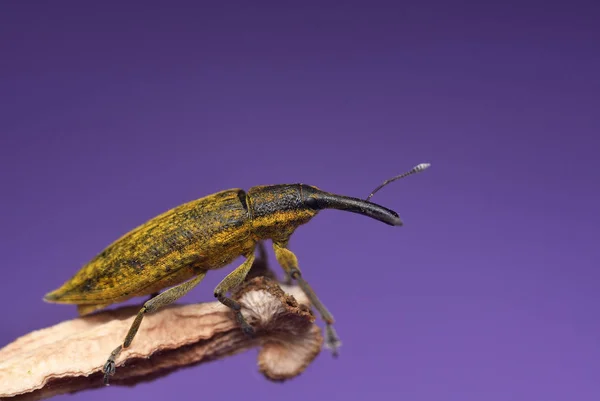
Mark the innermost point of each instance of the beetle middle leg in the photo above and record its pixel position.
(163, 299)
(289, 262)
(231, 281)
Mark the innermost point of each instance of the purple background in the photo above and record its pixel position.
(111, 114)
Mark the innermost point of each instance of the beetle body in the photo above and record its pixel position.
(204, 234)
(177, 248)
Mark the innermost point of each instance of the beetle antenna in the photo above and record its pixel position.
(414, 170)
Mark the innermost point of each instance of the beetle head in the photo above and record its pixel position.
(317, 199)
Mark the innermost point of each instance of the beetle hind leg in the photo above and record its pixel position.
(163, 299)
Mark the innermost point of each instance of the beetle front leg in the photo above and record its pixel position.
(287, 280)
(289, 262)
(231, 281)
(163, 299)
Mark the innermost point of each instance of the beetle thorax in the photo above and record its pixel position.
(277, 210)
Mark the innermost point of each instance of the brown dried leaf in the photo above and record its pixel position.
(68, 357)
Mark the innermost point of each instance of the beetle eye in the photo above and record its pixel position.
(312, 203)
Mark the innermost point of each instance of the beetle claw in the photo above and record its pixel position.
(248, 330)
(109, 370)
(332, 341)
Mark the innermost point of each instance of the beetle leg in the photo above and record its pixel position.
(262, 256)
(288, 279)
(231, 281)
(163, 299)
(262, 252)
(289, 262)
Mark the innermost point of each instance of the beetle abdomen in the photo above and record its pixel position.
(202, 234)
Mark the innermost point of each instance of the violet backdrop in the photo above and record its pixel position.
(113, 113)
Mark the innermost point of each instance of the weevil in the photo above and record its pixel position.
(177, 248)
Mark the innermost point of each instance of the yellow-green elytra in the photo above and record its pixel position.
(178, 247)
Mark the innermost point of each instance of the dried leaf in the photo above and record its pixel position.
(68, 357)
